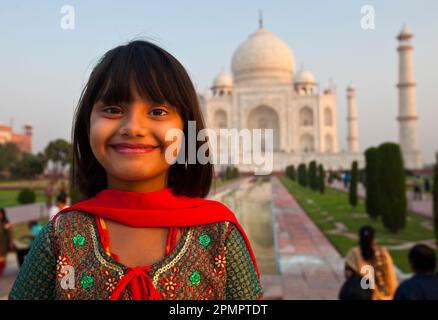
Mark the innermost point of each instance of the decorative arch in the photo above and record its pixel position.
(306, 116)
(220, 119)
(264, 117)
(328, 117)
(328, 140)
(307, 143)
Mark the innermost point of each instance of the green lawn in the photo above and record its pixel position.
(332, 207)
(8, 198)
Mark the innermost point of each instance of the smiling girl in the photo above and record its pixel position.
(144, 229)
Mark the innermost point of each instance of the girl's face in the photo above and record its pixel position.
(128, 167)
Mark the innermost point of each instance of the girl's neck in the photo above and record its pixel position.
(150, 185)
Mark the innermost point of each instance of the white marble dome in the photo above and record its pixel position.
(223, 80)
(263, 56)
(305, 77)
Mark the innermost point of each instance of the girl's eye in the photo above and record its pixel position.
(112, 110)
(158, 112)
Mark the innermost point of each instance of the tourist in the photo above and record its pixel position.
(22, 247)
(417, 189)
(61, 203)
(369, 256)
(48, 192)
(346, 179)
(423, 285)
(426, 185)
(6, 243)
(145, 231)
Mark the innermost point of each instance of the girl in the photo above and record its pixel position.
(144, 230)
(378, 257)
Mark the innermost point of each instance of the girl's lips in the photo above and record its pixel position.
(129, 150)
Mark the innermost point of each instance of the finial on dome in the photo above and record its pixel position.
(260, 19)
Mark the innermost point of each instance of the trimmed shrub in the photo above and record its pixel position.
(352, 195)
(392, 202)
(302, 174)
(312, 178)
(290, 172)
(26, 196)
(372, 182)
(321, 179)
(435, 198)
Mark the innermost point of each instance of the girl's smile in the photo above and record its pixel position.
(133, 149)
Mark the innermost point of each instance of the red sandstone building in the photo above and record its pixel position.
(22, 140)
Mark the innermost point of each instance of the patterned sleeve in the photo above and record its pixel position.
(242, 280)
(37, 276)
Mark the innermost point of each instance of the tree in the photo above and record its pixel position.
(372, 182)
(302, 174)
(290, 172)
(60, 153)
(352, 195)
(435, 197)
(9, 154)
(313, 181)
(392, 203)
(321, 178)
(29, 166)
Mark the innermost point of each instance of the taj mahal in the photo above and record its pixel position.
(265, 91)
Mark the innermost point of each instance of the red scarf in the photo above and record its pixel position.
(154, 209)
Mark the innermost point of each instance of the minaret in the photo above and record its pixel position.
(353, 132)
(407, 116)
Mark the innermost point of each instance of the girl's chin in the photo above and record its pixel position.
(136, 173)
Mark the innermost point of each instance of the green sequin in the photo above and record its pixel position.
(204, 240)
(86, 282)
(195, 278)
(79, 239)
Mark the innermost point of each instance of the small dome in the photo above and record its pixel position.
(223, 80)
(305, 77)
(405, 33)
(351, 87)
(263, 56)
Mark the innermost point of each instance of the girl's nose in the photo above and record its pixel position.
(134, 124)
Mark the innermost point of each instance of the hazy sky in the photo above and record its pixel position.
(43, 67)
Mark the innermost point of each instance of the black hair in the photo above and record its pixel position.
(158, 77)
(61, 197)
(366, 237)
(422, 258)
(4, 219)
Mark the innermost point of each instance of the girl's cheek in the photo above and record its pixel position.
(98, 135)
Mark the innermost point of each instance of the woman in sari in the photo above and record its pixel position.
(380, 271)
(5, 239)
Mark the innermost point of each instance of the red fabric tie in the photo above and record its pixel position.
(140, 283)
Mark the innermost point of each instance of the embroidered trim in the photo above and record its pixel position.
(175, 260)
(99, 256)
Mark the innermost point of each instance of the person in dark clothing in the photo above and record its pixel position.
(426, 185)
(424, 284)
(417, 189)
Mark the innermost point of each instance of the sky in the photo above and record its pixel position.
(44, 67)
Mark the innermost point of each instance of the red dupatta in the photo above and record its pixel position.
(154, 209)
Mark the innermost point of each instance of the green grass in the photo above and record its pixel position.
(8, 198)
(335, 204)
